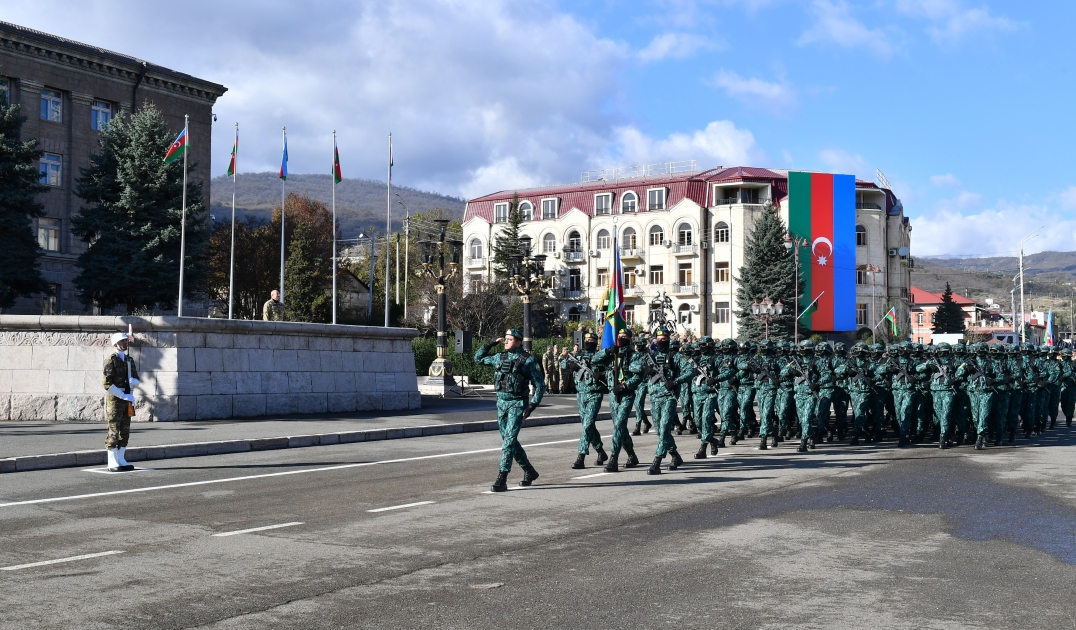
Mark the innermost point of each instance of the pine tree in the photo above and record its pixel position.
(20, 274)
(768, 271)
(506, 243)
(949, 318)
(307, 273)
(132, 220)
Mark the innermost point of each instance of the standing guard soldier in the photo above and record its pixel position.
(551, 370)
(642, 349)
(590, 387)
(672, 370)
(120, 379)
(627, 372)
(515, 372)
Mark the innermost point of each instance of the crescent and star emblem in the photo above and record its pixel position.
(822, 258)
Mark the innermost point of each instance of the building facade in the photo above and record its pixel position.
(68, 92)
(681, 234)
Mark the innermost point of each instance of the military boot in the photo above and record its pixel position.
(997, 440)
(529, 475)
(691, 428)
(980, 444)
(943, 443)
(637, 431)
(735, 438)
(803, 446)
(855, 439)
(1012, 436)
(580, 462)
(633, 461)
(810, 442)
(721, 442)
(764, 445)
(1053, 423)
(676, 461)
(501, 485)
(903, 441)
(917, 438)
(702, 452)
(655, 468)
(713, 446)
(646, 425)
(602, 457)
(611, 467)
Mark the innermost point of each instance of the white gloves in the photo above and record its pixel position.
(135, 383)
(118, 393)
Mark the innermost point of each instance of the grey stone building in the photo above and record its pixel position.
(68, 91)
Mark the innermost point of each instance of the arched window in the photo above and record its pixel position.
(721, 232)
(861, 236)
(573, 314)
(549, 244)
(628, 240)
(657, 235)
(575, 242)
(524, 245)
(684, 314)
(683, 234)
(476, 248)
(526, 210)
(629, 202)
(603, 239)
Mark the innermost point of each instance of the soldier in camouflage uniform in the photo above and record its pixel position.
(1068, 386)
(856, 375)
(120, 377)
(1053, 386)
(672, 370)
(704, 396)
(728, 384)
(515, 372)
(804, 376)
(978, 371)
(551, 370)
(1031, 384)
(766, 375)
(627, 372)
(1002, 393)
(745, 396)
(642, 348)
(840, 394)
(904, 382)
(784, 400)
(827, 387)
(273, 309)
(590, 387)
(941, 372)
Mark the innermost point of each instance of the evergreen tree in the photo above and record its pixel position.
(506, 243)
(20, 274)
(307, 274)
(949, 318)
(132, 220)
(768, 271)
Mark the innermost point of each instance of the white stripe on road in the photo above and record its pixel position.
(258, 529)
(400, 507)
(71, 559)
(267, 475)
(592, 476)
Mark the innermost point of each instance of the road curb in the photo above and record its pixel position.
(198, 449)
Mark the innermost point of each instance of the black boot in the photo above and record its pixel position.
(855, 440)
(602, 457)
(810, 443)
(713, 446)
(803, 446)
(529, 475)
(501, 485)
(691, 428)
(676, 461)
(579, 462)
(774, 439)
(1012, 436)
(655, 468)
(702, 452)
(1053, 423)
(646, 425)
(721, 442)
(735, 438)
(943, 443)
(980, 444)
(763, 445)
(637, 431)
(903, 441)
(611, 467)
(997, 440)
(633, 461)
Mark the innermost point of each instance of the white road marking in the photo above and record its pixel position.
(592, 476)
(105, 471)
(258, 529)
(71, 559)
(267, 475)
(400, 507)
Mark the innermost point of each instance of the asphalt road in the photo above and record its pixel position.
(866, 537)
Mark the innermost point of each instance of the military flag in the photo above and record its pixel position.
(614, 311)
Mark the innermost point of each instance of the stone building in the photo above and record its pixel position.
(681, 233)
(68, 91)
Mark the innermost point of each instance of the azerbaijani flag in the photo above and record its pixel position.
(614, 312)
(178, 148)
(337, 177)
(235, 150)
(284, 160)
(1050, 328)
(891, 317)
(822, 209)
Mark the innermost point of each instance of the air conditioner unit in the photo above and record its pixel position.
(593, 253)
(639, 271)
(556, 255)
(892, 251)
(667, 243)
(694, 308)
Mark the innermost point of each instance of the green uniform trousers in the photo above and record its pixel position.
(904, 405)
(640, 401)
(982, 402)
(943, 411)
(663, 406)
(726, 406)
(119, 431)
(767, 414)
(1000, 416)
(745, 399)
(705, 407)
(861, 411)
(1016, 401)
(620, 409)
(806, 405)
(589, 405)
(509, 422)
(1068, 402)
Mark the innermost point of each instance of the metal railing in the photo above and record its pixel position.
(475, 262)
(633, 252)
(734, 200)
(574, 256)
(867, 206)
(642, 170)
(570, 294)
(683, 289)
(685, 249)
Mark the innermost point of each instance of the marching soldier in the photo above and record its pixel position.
(670, 370)
(979, 372)
(856, 374)
(840, 394)
(801, 370)
(745, 397)
(728, 383)
(642, 349)
(628, 372)
(120, 379)
(704, 396)
(767, 375)
(590, 387)
(940, 370)
(1068, 385)
(515, 372)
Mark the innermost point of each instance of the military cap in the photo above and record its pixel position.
(590, 337)
(661, 332)
(783, 344)
(625, 332)
(839, 347)
(513, 332)
(730, 345)
(1066, 351)
(706, 339)
(859, 347)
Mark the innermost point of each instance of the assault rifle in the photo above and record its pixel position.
(582, 366)
(804, 376)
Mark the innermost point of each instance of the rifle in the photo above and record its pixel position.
(584, 368)
(943, 371)
(804, 376)
(130, 344)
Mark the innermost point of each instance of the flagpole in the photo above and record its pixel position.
(231, 265)
(333, 177)
(388, 229)
(183, 215)
(284, 135)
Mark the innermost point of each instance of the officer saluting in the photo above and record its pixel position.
(516, 371)
(120, 379)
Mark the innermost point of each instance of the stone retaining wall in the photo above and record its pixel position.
(203, 369)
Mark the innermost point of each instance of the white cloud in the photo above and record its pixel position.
(676, 46)
(844, 162)
(1067, 198)
(993, 232)
(947, 180)
(756, 92)
(951, 20)
(834, 24)
(720, 143)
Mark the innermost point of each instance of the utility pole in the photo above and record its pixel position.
(1023, 329)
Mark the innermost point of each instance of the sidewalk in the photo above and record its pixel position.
(36, 446)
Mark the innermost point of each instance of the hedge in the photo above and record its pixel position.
(426, 351)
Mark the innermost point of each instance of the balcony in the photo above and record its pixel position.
(684, 250)
(574, 257)
(630, 254)
(570, 294)
(734, 200)
(475, 262)
(867, 206)
(686, 289)
(634, 292)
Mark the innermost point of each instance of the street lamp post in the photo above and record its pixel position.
(767, 310)
(799, 243)
(1023, 329)
(874, 270)
(527, 275)
(433, 265)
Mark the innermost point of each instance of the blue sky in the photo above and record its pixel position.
(963, 104)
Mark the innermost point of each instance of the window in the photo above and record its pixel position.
(603, 204)
(728, 195)
(629, 314)
(50, 302)
(49, 168)
(575, 280)
(549, 208)
(684, 314)
(100, 115)
(918, 340)
(655, 199)
(684, 273)
(919, 319)
(721, 312)
(629, 277)
(573, 314)
(721, 232)
(861, 315)
(604, 240)
(657, 235)
(721, 272)
(500, 213)
(525, 245)
(629, 202)
(603, 277)
(51, 105)
(476, 248)
(683, 234)
(861, 275)
(575, 243)
(861, 236)
(627, 239)
(48, 234)
(933, 318)
(549, 244)
(526, 210)
(5, 90)
(657, 274)
(475, 282)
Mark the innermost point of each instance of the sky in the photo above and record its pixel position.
(964, 105)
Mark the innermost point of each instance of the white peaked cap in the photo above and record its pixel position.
(118, 337)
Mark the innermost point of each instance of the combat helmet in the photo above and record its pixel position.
(859, 348)
(766, 346)
(806, 347)
(943, 348)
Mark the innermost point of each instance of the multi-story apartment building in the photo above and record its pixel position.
(68, 92)
(681, 233)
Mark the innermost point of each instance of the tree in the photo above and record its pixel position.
(257, 265)
(20, 273)
(949, 318)
(307, 272)
(132, 220)
(506, 243)
(768, 271)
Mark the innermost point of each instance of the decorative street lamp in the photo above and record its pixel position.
(433, 265)
(799, 244)
(873, 270)
(526, 274)
(766, 311)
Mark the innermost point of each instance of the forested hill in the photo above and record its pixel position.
(360, 203)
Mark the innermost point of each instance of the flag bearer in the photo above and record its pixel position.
(120, 379)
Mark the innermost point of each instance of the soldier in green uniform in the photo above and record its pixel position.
(840, 394)
(515, 372)
(590, 388)
(120, 377)
(827, 387)
(728, 383)
(704, 396)
(551, 370)
(642, 348)
(1031, 385)
(978, 370)
(962, 402)
(924, 402)
(1053, 386)
(1068, 385)
(904, 382)
(273, 309)
(854, 373)
(783, 399)
(627, 370)
(766, 375)
(801, 370)
(745, 396)
(1002, 393)
(1014, 367)
(672, 370)
(941, 372)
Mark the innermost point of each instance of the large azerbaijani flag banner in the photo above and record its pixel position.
(822, 209)
(614, 311)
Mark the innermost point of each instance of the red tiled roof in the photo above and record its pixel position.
(919, 297)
